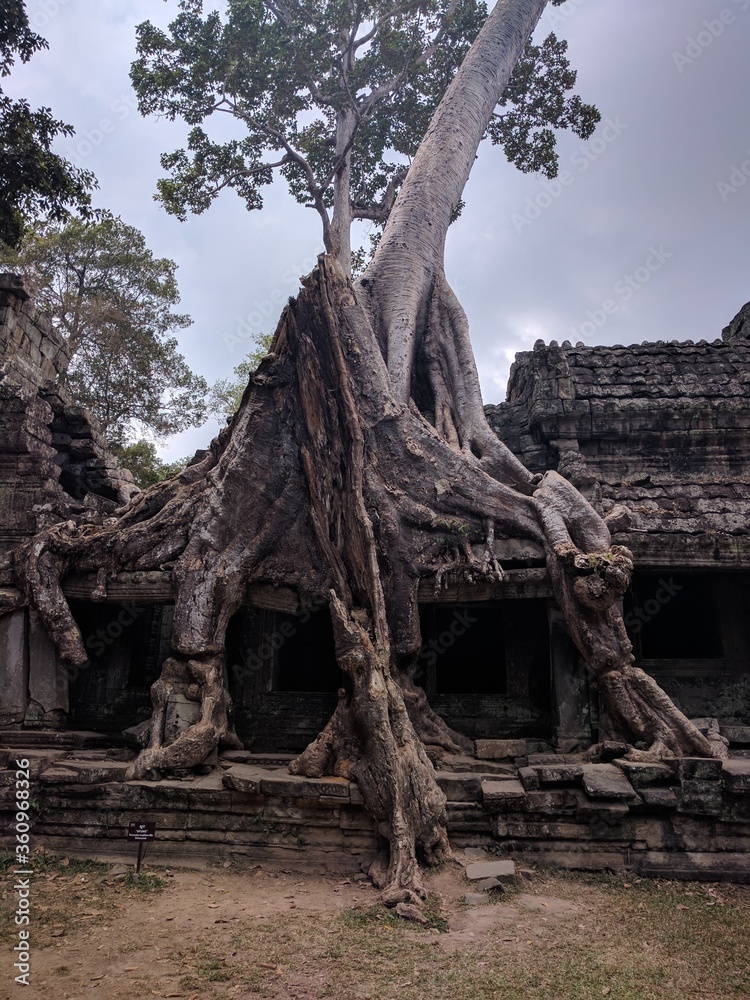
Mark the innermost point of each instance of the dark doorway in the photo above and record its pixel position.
(486, 667)
(127, 644)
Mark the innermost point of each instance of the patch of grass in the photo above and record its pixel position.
(562, 936)
(214, 970)
(145, 882)
(44, 863)
(433, 910)
(360, 918)
(67, 892)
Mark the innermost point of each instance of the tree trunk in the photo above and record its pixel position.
(341, 222)
(358, 464)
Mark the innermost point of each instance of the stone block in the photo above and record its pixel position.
(605, 781)
(737, 775)
(738, 735)
(697, 866)
(59, 775)
(610, 750)
(497, 794)
(530, 830)
(48, 681)
(460, 787)
(181, 713)
(646, 775)
(138, 736)
(550, 802)
(504, 871)
(243, 778)
(598, 811)
(487, 884)
(468, 817)
(296, 786)
(85, 772)
(697, 768)
(559, 774)
(659, 798)
(700, 798)
(529, 778)
(500, 749)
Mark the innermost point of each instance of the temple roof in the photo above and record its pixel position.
(662, 428)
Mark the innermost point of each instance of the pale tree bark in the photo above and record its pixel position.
(341, 222)
(358, 464)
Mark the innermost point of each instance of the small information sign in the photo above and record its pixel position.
(141, 830)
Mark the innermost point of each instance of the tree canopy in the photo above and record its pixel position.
(34, 181)
(337, 96)
(141, 459)
(112, 299)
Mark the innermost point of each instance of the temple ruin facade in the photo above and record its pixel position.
(661, 428)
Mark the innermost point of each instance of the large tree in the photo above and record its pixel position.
(337, 96)
(112, 300)
(358, 464)
(33, 180)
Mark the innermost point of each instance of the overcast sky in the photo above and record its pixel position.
(646, 239)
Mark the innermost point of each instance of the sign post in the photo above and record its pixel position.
(141, 831)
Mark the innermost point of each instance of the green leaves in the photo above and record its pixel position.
(226, 395)
(33, 179)
(535, 105)
(141, 459)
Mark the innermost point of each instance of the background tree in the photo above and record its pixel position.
(226, 394)
(359, 464)
(112, 300)
(336, 96)
(141, 459)
(34, 181)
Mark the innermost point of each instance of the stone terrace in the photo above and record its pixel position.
(686, 819)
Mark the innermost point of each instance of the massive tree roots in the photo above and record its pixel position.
(325, 482)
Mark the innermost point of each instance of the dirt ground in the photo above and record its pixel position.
(267, 932)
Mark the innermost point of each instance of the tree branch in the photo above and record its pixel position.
(381, 211)
(423, 58)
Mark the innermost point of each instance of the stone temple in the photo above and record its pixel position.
(661, 428)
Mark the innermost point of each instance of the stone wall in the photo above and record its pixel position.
(53, 458)
(689, 819)
(54, 463)
(33, 352)
(660, 428)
